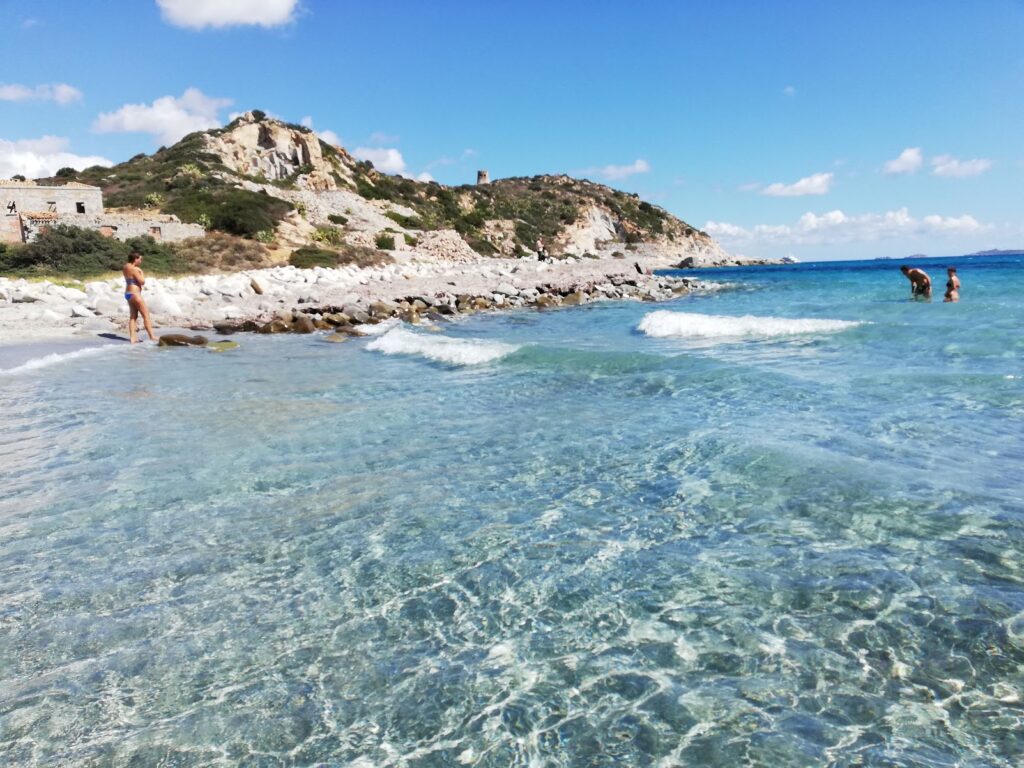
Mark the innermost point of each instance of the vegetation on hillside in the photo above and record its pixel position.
(72, 252)
(194, 184)
(189, 182)
(309, 257)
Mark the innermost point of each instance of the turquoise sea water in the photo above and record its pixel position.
(541, 539)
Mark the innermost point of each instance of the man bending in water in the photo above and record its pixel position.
(920, 283)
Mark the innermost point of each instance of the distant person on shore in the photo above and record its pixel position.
(920, 283)
(541, 251)
(952, 285)
(134, 279)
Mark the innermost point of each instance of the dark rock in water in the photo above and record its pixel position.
(322, 325)
(337, 338)
(382, 309)
(409, 316)
(303, 324)
(437, 317)
(181, 340)
(688, 263)
(348, 330)
(547, 300)
(575, 299)
(445, 309)
(338, 318)
(277, 325)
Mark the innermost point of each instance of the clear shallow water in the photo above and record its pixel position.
(597, 547)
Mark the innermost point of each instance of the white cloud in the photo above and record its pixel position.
(168, 118)
(618, 172)
(789, 90)
(947, 165)
(909, 161)
(424, 177)
(377, 137)
(199, 14)
(816, 184)
(386, 160)
(61, 93)
(34, 158)
(306, 121)
(29, 23)
(838, 227)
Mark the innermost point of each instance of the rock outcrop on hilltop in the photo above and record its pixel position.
(276, 152)
(281, 184)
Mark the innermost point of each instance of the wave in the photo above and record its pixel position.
(398, 341)
(58, 358)
(664, 324)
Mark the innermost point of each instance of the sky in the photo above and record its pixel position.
(821, 130)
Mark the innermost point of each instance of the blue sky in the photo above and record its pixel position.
(822, 130)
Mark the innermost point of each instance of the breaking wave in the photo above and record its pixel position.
(664, 324)
(398, 341)
(58, 358)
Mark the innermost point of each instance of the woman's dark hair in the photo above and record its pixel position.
(133, 255)
(951, 269)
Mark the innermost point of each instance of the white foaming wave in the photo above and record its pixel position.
(664, 324)
(58, 358)
(378, 329)
(398, 341)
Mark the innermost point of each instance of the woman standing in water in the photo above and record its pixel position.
(952, 285)
(134, 279)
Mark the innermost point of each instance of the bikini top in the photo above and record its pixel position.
(131, 281)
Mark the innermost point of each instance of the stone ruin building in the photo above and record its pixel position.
(28, 208)
(483, 177)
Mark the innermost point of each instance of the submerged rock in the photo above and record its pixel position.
(181, 340)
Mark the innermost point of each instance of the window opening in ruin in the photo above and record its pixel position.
(155, 232)
(80, 207)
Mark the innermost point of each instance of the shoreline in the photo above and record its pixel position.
(286, 299)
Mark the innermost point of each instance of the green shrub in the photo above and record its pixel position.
(410, 240)
(632, 238)
(219, 251)
(154, 200)
(309, 257)
(264, 236)
(408, 222)
(66, 173)
(385, 242)
(235, 211)
(329, 236)
(337, 218)
(76, 252)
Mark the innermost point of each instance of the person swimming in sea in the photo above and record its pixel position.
(952, 285)
(920, 283)
(134, 279)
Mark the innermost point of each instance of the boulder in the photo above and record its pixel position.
(78, 310)
(276, 325)
(381, 309)
(222, 346)
(303, 324)
(337, 318)
(181, 340)
(506, 289)
(337, 338)
(575, 299)
(256, 287)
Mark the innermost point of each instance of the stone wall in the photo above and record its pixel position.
(27, 197)
(124, 227)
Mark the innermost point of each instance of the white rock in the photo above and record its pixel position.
(162, 304)
(77, 310)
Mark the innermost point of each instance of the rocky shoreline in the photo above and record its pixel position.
(290, 300)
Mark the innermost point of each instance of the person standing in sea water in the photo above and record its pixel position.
(952, 285)
(134, 279)
(920, 283)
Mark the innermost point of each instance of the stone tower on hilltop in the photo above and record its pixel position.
(482, 177)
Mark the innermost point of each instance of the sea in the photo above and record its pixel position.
(775, 522)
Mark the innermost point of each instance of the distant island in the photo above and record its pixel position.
(996, 252)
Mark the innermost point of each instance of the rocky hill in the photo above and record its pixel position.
(280, 184)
